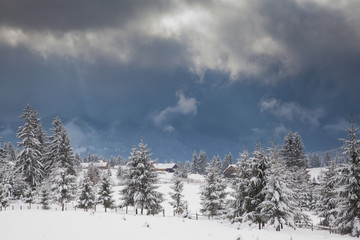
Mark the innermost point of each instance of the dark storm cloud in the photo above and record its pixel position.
(256, 39)
(68, 15)
(317, 37)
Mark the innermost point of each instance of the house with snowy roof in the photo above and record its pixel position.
(230, 171)
(165, 167)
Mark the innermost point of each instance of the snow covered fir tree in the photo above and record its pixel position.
(105, 192)
(62, 178)
(348, 207)
(236, 206)
(279, 206)
(140, 190)
(328, 196)
(293, 153)
(87, 198)
(212, 193)
(29, 159)
(178, 203)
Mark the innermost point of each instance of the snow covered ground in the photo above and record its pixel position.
(38, 224)
(73, 225)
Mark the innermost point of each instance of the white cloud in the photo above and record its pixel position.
(291, 111)
(184, 106)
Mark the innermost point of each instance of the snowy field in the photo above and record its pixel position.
(73, 225)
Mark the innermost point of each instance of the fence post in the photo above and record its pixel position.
(20, 207)
(312, 227)
(196, 216)
(12, 207)
(163, 212)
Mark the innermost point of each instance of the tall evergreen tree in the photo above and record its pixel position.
(348, 221)
(140, 189)
(240, 188)
(294, 155)
(279, 206)
(255, 197)
(327, 204)
(213, 192)
(105, 192)
(63, 185)
(29, 159)
(178, 203)
(202, 163)
(195, 164)
(62, 175)
(87, 194)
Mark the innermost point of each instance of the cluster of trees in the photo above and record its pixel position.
(44, 168)
(263, 186)
(43, 164)
(338, 203)
(199, 163)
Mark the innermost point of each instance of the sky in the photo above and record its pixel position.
(186, 75)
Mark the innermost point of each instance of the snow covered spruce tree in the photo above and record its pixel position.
(105, 192)
(328, 199)
(87, 194)
(279, 205)
(213, 193)
(294, 155)
(240, 188)
(202, 162)
(178, 203)
(348, 220)
(63, 185)
(255, 195)
(29, 159)
(62, 177)
(139, 188)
